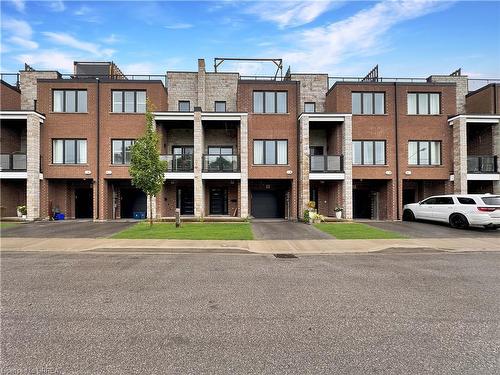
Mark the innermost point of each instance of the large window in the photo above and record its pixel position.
(69, 151)
(368, 103)
(424, 153)
(69, 100)
(270, 152)
(270, 102)
(424, 103)
(368, 152)
(129, 101)
(122, 150)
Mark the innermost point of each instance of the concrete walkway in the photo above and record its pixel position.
(256, 246)
(285, 230)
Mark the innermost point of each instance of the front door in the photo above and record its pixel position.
(218, 201)
(185, 200)
(83, 203)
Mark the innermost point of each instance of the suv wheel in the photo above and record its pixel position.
(408, 215)
(459, 221)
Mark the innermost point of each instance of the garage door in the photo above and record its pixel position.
(265, 204)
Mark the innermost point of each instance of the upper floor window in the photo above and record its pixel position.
(424, 103)
(368, 103)
(309, 107)
(270, 152)
(368, 152)
(122, 151)
(69, 101)
(424, 153)
(270, 102)
(130, 101)
(220, 106)
(184, 106)
(69, 151)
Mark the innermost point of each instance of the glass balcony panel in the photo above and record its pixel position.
(19, 162)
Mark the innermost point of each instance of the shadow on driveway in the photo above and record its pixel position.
(420, 229)
(65, 229)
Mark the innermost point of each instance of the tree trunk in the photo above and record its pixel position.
(150, 211)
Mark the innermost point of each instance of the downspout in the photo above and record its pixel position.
(97, 149)
(397, 146)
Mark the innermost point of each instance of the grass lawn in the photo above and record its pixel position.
(356, 231)
(189, 231)
(5, 225)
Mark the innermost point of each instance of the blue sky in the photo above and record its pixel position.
(406, 38)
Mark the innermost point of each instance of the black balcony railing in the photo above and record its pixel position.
(221, 163)
(179, 162)
(482, 164)
(13, 162)
(326, 163)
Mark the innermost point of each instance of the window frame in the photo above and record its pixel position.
(428, 94)
(123, 140)
(374, 152)
(429, 153)
(64, 150)
(220, 102)
(275, 102)
(76, 91)
(123, 100)
(184, 101)
(372, 93)
(313, 104)
(264, 152)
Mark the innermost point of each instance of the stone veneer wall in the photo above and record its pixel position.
(28, 85)
(347, 152)
(496, 151)
(460, 155)
(312, 89)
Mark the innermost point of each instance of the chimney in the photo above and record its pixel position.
(201, 84)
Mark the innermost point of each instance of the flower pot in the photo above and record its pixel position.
(24, 217)
(19, 214)
(338, 214)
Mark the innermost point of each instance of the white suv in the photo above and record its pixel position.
(459, 210)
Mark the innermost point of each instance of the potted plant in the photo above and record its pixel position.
(316, 218)
(307, 217)
(22, 211)
(338, 212)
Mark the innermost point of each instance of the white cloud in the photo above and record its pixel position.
(23, 43)
(322, 48)
(70, 41)
(17, 27)
(111, 39)
(49, 59)
(57, 6)
(82, 11)
(179, 26)
(290, 13)
(20, 5)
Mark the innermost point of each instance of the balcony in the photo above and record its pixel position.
(326, 163)
(178, 162)
(13, 162)
(482, 164)
(221, 163)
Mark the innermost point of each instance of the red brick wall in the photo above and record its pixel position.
(12, 194)
(10, 98)
(479, 139)
(482, 101)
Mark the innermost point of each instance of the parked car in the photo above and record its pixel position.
(460, 210)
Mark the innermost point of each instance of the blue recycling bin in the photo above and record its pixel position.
(139, 215)
(59, 216)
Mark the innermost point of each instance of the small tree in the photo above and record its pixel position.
(146, 168)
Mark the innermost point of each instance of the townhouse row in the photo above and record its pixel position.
(242, 147)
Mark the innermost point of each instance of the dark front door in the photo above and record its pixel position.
(185, 200)
(218, 201)
(266, 204)
(83, 203)
(409, 196)
(362, 203)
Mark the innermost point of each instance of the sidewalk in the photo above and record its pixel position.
(255, 246)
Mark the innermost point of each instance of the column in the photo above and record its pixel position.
(496, 151)
(151, 209)
(460, 155)
(347, 152)
(33, 166)
(199, 196)
(304, 163)
(244, 166)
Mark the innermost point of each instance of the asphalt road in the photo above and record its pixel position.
(238, 314)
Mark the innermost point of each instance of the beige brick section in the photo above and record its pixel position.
(244, 166)
(496, 151)
(313, 88)
(460, 155)
(221, 87)
(199, 196)
(201, 84)
(303, 163)
(182, 86)
(462, 88)
(33, 166)
(28, 83)
(347, 152)
(154, 212)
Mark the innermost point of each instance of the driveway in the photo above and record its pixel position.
(286, 230)
(66, 229)
(431, 230)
